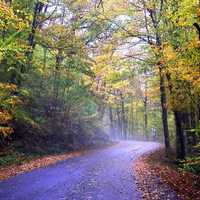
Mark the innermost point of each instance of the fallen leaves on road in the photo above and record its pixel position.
(8, 171)
(157, 179)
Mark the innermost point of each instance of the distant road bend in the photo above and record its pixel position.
(101, 175)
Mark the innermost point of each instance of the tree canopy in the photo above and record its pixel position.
(76, 69)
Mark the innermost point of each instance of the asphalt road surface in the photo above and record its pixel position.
(101, 175)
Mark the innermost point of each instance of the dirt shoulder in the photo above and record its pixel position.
(158, 178)
(13, 170)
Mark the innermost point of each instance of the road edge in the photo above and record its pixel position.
(14, 170)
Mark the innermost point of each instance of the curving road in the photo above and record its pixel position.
(101, 175)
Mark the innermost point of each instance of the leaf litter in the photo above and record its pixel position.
(159, 179)
(13, 170)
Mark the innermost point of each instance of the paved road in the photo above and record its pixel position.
(101, 175)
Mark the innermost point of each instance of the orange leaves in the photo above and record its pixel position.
(182, 65)
(12, 170)
(5, 118)
(197, 82)
(8, 171)
(6, 131)
(162, 177)
(8, 103)
(194, 43)
(7, 86)
(167, 55)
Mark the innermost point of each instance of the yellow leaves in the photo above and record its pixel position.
(76, 4)
(7, 108)
(103, 58)
(12, 19)
(197, 82)
(14, 101)
(5, 117)
(183, 63)
(111, 99)
(65, 43)
(44, 2)
(194, 43)
(186, 14)
(88, 79)
(7, 86)
(150, 5)
(121, 85)
(6, 131)
(112, 8)
(168, 54)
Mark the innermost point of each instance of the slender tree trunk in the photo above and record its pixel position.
(180, 138)
(38, 8)
(164, 109)
(155, 17)
(111, 124)
(119, 128)
(31, 39)
(146, 119)
(136, 119)
(198, 110)
(132, 123)
(4, 30)
(124, 131)
(181, 150)
(155, 21)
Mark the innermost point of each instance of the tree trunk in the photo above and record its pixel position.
(111, 124)
(180, 139)
(119, 128)
(132, 123)
(31, 38)
(180, 146)
(164, 109)
(146, 119)
(124, 131)
(136, 119)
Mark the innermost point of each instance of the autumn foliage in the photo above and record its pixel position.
(157, 178)
(73, 70)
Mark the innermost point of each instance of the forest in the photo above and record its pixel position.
(75, 73)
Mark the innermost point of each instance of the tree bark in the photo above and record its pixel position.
(132, 123)
(111, 124)
(146, 119)
(124, 130)
(155, 20)
(180, 144)
(119, 123)
(181, 150)
(164, 109)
